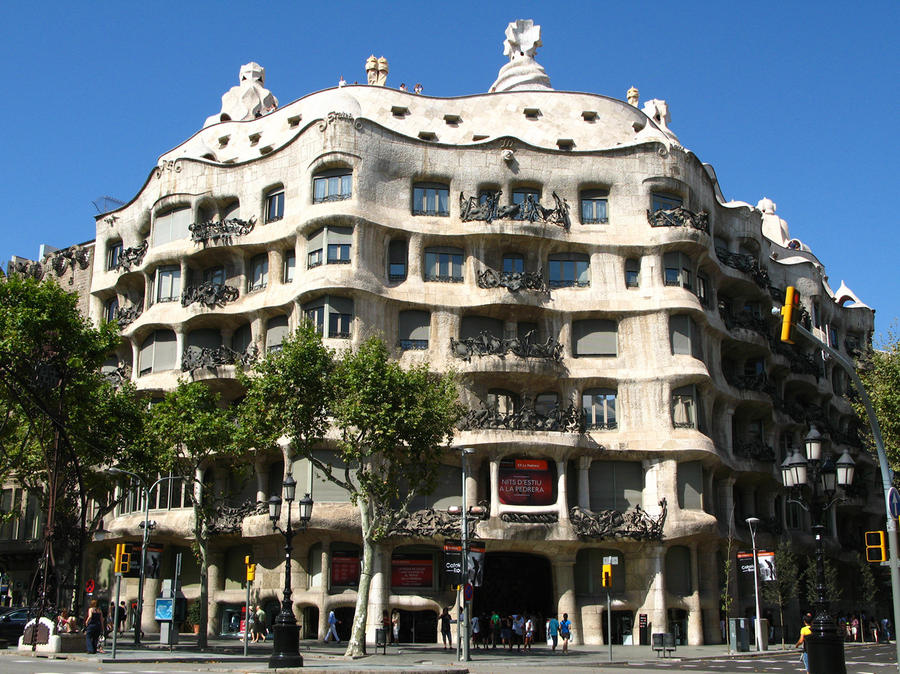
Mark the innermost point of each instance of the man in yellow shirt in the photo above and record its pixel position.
(805, 631)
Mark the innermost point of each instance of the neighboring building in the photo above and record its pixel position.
(608, 312)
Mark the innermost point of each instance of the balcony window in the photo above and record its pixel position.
(593, 207)
(335, 185)
(568, 270)
(113, 253)
(259, 272)
(471, 327)
(215, 275)
(594, 337)
(242, 338)
(275, 204)
(678, 270)
(168, 284)
(599, 408)
(158, 352)
(203, 338)
(397, 252)
(110, 308)
(702, 290)
(444, 264)
(172, 226)
(335, 241)
(414, 329)
(665, 202)
(513, 264)
(525, 197)
(685, 412)
(276, 332)
(545, 403)
(615, 485)
(431, 199)
(289, 266)
(501, 401)
(331, 316)
(684, 337)
(632, 273)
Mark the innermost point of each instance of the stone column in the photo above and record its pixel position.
(242, 275)
(495, 487)
(324, 586)
(179, 345)
(276, 266)
(584, 482)
(185, 274)
(152, 588)
(725, 500)
(655, 600)
(414, 257)
(135, 360)
(148, 293)
(216, 583)
(564, 589)
(562, 498)
(695, 616)
(709, 592)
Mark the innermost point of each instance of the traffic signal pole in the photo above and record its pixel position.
(891, 523)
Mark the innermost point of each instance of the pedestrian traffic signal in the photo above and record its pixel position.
(251, 572)
(875, 549)
(607, 575)
(122, 561)
(789, 313)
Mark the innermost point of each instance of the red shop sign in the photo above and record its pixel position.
(412, 572)
(345, 568)
(526, 482)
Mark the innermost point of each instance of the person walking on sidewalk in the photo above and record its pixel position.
(565, 631)
(332, 627)
(93, 627)
(805, 631)
(553, 632)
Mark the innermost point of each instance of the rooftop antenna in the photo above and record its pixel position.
(105, 204)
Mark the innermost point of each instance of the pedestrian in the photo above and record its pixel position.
(553, 632)
(805, 631)
(495, 629)
(261, 623)
(518, 628)
(332, 627)
(395, 625)
(854, 628)
(62, 621)
(251, 625)
(385, 624)
(506, 633)
(445, 628)
(529, 633)
(565, 631)
(93, 627)
(123, 613)
(476, 630)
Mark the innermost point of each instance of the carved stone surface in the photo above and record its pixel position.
(127, 315)
(487, 344)
(513, 281)
(487, 208)
(635, 524)
(220, 231)
(745, 263)
(754, 449)
(248, 100)
(564, 420)
(195, 358)
(522, 73)
(227, 519)
(679, 217)
(210, 295)
(67, 259)
(530, 518)
(429, 522)
(131, 257)
(27, 268)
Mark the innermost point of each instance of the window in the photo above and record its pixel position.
(331, 316)
(678, 571)
(615, 485)
(685, 413)
(501, 401)
(702, 290)
(332, 185)
(242, 338)
(513, 263)
(593, 207)
(431, 199)
(157, 352)
(545, 403)
(594, 337)
(414, 329)
(214, 275)
(335, 241)
(754, 367)
(677, 270)
(113, 253)
(690, 485)
(470, 327)
(172, 226)
(526, 198)
(444, 265)
(598, 407)
(276, 332)
(397, 260)
(288, 266)
(204, 338)
(168, 284)
(569, 269)
(632, 273)
(684, 337)
(665, 202)
(110, 308)
(259, 273)
(275, 204)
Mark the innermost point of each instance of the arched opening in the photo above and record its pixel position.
(516, 582)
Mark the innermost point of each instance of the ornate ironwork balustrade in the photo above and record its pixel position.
(128, 315)
(220, 231)
(487, 208)
(486, 344)
(563, 419)
(679, 217)
(197, 357)
(131, 257)
(210, 295)
(636, 524)
(514, 281)
(745, 263)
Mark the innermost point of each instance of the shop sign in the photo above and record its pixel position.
(766, 561)
(154, 562)
(344, 568)
(526, 482)
(412, 571)
(452, 563)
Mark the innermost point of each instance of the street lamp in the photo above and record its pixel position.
(813, 485)
(146, 538)
(465, 607)
(286, 648)
(753, 523)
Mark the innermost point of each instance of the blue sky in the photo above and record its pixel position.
(791, 100)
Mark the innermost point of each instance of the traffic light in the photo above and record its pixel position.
(789, 313)
(875, 551)
(123, 558)
(607, 575)
(251, 568)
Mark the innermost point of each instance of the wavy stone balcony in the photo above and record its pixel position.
(486, 207)
(220, 232)
(487, 344)
(514, 281)
(527, 418)
(679, 217)
(210, 295)
(745, 263)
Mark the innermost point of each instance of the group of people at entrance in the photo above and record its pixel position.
(512, 631)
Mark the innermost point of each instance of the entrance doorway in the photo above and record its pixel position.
(622, 623)
(678, 620)
(516, 582)
(344, 615)
(310, 622)
(418, 627)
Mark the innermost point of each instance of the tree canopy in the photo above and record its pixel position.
(880, 374)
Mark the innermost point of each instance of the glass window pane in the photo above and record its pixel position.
(346, 182)
(319, 185)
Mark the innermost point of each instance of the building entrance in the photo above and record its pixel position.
(516, 582)
(623, 621)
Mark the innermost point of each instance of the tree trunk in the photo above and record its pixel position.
(203, 554)
(781, 613)
(357, 645)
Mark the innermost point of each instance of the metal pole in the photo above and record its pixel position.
(609, 623)
(463, 606)
(115, 615)
(247, 618)
(286, 647)
(891, 523)
(756, 588)
(140, 600)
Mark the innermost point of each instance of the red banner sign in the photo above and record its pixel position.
(345, 568)
(412, 571)
(526, 482)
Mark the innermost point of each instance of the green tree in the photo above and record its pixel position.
(783, 589)
(867, 587)
(880, 374)
(726, 598)
(191, 430)
(60, 418)
(834, 588)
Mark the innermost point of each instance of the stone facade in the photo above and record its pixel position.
(609, 316)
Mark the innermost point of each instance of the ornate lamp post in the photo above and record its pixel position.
(753, 523)
(286, 649)
(812, 484)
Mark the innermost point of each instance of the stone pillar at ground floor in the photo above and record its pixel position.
(152, 588)
(216, 583)
(379, 591)
(695, 615)
(564, 591)
(709, 592)
(654, 603)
